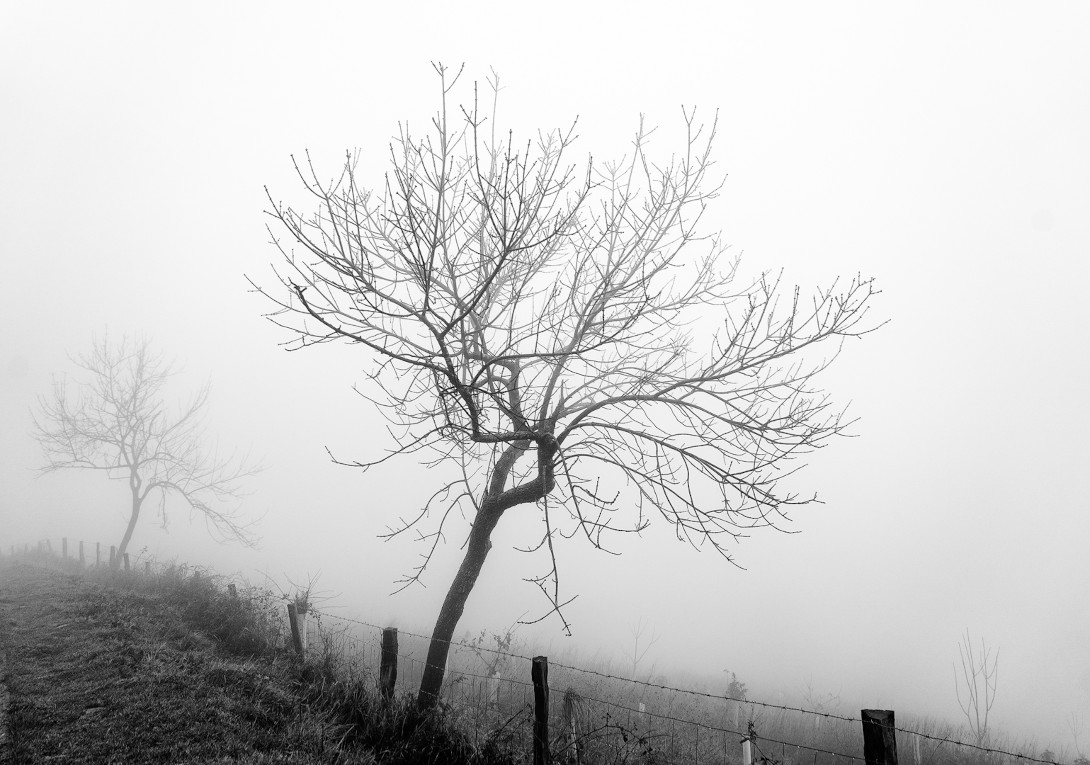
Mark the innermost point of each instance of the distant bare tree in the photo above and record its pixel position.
(547, 331)
(118, 423)
(644, 636)
(977, 681)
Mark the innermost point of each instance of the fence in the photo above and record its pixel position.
(564, 713)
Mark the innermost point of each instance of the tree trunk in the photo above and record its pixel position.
(132, 525)
(453, 605)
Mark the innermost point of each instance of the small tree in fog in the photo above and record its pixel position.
(118, 423)
(975, 685)
(546, 330)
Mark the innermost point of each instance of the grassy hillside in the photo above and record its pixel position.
(176, 666)
(112, 667)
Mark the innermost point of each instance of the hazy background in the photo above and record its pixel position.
(942, 148)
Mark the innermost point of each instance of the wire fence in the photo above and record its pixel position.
(595, 716)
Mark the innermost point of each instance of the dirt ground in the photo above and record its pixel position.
(97, 673)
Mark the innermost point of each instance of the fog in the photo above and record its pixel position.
(941, 148)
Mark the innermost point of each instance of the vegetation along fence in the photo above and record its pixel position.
(567, 714)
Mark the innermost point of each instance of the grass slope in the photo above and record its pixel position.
(98, 673)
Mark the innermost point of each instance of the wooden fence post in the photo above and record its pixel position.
(98, 554)
(82, 560)
(64, 548)
(539, 674)
(879, 737)
(387, 674)
(126, 561)
(296, 638)
(113, 555)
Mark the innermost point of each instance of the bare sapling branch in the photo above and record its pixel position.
(975, 685)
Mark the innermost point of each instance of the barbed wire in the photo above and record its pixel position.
(720, 697)
(37, 549)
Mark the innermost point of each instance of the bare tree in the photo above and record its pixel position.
(548, 331)
(644, 636)
(979, 673)
(119, 424)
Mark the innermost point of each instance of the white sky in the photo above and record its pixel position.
(942, 148)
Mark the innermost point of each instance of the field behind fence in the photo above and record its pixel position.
(555, 712)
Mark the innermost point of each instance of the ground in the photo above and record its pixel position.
(95, 672)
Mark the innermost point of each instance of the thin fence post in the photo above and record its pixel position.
(98, 554)
(126, 556)
(748, 743)
(296, 638)
(539, 673)
(64, 548)
(879, 737)
(387, 674)
(82, 560)
(113, 555)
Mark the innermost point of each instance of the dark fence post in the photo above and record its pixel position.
(879, 737)
(387, 674)
(126, 561)
(539, 673)
(296, 636)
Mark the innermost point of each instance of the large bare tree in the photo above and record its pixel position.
(118, 423)
(564, 335)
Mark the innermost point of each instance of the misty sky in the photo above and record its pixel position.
(941, 148)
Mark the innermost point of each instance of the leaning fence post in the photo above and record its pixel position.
(296, 638)
(879, 737)
(539, 673)
(387, 674)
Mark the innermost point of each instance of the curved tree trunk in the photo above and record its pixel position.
(136, 500)
(495, 502)
(476, 551)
